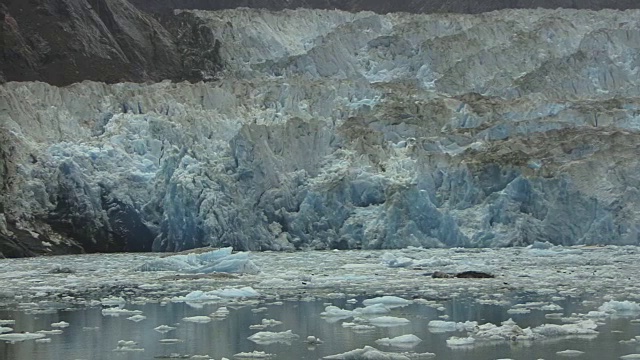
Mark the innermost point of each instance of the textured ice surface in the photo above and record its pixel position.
(330, 129)
(268, 337)
(221, 260)
(14, 337)
(406, 341)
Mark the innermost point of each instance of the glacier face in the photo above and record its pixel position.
(330, 129)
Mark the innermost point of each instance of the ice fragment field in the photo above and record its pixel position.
(372, 288)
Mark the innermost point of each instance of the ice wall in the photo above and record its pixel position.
(329, 129)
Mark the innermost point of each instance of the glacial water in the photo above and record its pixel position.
(92, 335)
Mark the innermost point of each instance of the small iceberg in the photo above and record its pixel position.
(268, 337)
(221, 260)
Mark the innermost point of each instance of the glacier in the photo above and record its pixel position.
(328, 129)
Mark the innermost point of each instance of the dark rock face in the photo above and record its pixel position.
(65, 41)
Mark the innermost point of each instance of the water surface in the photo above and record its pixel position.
(91, 335)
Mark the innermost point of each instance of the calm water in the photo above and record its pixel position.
(94, 336)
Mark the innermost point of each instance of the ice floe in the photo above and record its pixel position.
(221, 260)
(388, 321)
(404, 341)
(371, 353)
(570, 353)
(119, 311)
(15, 337)
(253, 355)
(388, 301)
(127, 346)
(198, 319)
(439, 326)
(164, 328)
(136, 318)
(268, 337)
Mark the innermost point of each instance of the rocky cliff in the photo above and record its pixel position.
(331, 129)
(66, 41)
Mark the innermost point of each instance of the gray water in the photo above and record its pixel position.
(94, 336)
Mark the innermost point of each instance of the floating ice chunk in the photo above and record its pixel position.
(164, 328)
(405, 341)
(253, 355)
(388, 301)
(312, 340)
(620, 307)
(268, 337)
(197, 319)
(508, 330)
(368, 353)
(127, 345)
(220, 313)
(585, 327)
(265, 324)
(540, 245)
(170, 341)
(7, 322)
(439, 326)
(221, 260)
(630, 357)
(460, 341)
(119, 311)
(4, 329)
(551, 307)
(15, 337)
(246, 291)
(197, 296)
(61, 324)
(113, 301)
(358, 327)
(50, 332)
(570, 353)
(43, 340)
(596, 314)
(518, 311)
(372, 310)
(336, 312)
(128, 349)
(388, 321)
(136, 318)
(394, 261)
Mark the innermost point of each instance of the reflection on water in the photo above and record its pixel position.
(94, 336)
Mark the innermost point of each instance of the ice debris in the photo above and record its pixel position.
(197, 319)
(405, 341)
(268, 337)
(439, 326)
(164, 328)
(371, 353)
(15, 337)
(570, 353)
(388, 321)
(620, 308)
(127, 346)
(388, 301)
(253, 355)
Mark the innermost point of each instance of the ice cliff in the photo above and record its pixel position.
(330, 129)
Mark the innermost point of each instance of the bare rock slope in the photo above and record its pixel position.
(331, 129)
(66, 41)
